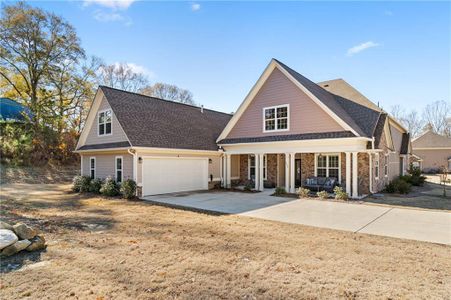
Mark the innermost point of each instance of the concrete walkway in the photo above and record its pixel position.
(415, 224)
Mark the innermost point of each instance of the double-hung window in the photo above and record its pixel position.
(92, 167)
(328, 166)
(251, 167)
(376, 166)
(104, 122)
(276, 118)
(118, 168)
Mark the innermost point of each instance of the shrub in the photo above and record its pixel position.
(302, 192)
(323, 194)
(80, 184)
(95, 185)
(398, 185)
(340, 194)
(109, 188)
(249, 185)
(128, 189)
(280, 191)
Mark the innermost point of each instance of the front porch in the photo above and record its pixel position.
(291, 170)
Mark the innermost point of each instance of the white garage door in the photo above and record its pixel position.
(174, 174)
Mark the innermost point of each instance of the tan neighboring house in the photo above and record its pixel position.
(286, 130)
(432, 151)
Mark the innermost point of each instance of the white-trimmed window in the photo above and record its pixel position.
(376, 167)
(104, 121)
(386, 159)
(92, 167)
(328, 165)
(276, 118)
(119, 166)
(251, 166)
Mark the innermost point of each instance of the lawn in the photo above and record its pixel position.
(104, 249)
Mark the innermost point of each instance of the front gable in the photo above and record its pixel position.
(305, 115)
(90, 134)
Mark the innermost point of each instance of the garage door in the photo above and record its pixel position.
(174, 174)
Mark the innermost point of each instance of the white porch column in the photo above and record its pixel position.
(277, 172)
(260, 172)
(287, 172)
(257, 169)
(221, 170)
(292, 187)
(371, 171)
(228, 171)
(355, 177)
(348, 173)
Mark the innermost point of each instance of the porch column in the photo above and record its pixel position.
(260, 172)
(287, 172)
(371, 171)
(221, 170)
(277, 172)
(292, 187)
(348, 173)
(228, 171)
(355, 187)
(257, 170)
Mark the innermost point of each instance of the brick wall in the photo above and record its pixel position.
(363, 173)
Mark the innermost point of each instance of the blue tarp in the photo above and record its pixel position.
(10, 110)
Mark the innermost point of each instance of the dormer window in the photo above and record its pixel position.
(276, 118)
(104, 122)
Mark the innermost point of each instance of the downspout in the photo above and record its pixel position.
(371, 165)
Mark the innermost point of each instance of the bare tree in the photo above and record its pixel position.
(436, 115)
(122, 76)
(413, 122)
(397, 112)
(169, 92)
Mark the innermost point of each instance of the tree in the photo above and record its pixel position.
(169, 92)
(32, 45)
(122, 76)
(413, 122)
(436, 116)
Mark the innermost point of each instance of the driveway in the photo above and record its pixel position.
(407, 223)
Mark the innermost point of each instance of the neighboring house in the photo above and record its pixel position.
(13, 112)
(286, 130)
(432, 151)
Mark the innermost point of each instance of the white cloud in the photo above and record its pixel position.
(114, 4)
(107, 17)
(137, 69)
(361, 47)
(195, 6)
(388, 13)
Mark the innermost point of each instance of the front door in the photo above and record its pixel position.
(297, 173)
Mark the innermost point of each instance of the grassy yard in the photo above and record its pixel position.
(105, 249)
(428, 196)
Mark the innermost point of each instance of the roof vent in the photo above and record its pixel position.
(201, 109)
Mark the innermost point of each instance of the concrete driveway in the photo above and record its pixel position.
(415, 224)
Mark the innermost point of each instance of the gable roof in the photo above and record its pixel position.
(153, 122)
(430, 139)
(361, 118)
(342, 88)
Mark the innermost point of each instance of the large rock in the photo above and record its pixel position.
(16, 247)
(7, 237)
(37, 243)
(24, 232)
(4, 225)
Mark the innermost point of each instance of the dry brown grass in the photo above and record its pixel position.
(143, 251)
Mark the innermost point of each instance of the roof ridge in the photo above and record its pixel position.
(161, 99)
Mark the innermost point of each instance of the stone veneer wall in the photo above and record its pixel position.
(307, 166)
(363, 173)
(271, 164)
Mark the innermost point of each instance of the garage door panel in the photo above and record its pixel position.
(169, 175)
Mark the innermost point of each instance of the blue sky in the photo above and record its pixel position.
(393, 52)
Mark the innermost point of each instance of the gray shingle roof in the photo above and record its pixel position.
(153, 122)
(359, 117)
(105, 146)
(289, 137)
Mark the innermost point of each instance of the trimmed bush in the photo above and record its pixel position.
(80, 184)
(95, 185)
(323, 194)
(340, 194)
(249, 185)
(398, 185)
(302, 192)
(109, 188)
(128, 189)
(280, 191)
